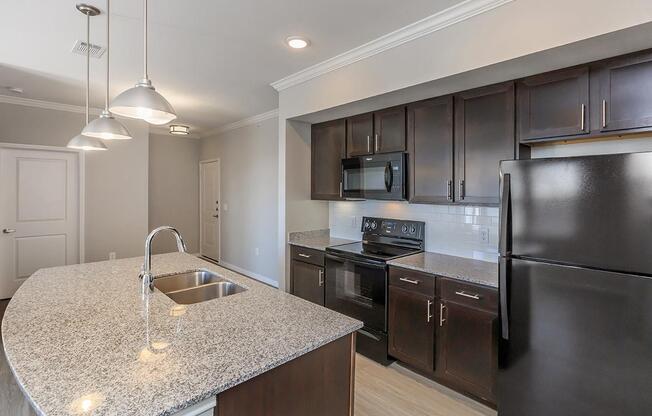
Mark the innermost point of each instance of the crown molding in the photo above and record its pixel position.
(242, 123)
(48, 105)
(416, 30)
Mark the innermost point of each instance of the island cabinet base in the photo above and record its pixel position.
(319, 383)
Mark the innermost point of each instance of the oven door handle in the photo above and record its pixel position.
(360, 263)
(389, 177)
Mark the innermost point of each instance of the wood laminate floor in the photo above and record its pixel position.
(379, 391)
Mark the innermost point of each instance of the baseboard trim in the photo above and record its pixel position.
(256, 276)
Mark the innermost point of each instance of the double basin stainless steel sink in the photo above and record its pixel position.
(196, 286)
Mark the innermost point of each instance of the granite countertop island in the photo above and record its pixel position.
(459, 268)
(82, 339)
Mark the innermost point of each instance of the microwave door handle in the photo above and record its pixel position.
(389, 177)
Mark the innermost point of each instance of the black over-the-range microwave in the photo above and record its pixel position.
(380, 176)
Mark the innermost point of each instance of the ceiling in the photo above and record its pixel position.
(212, 59)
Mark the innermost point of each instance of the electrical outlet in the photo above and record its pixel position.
(257, 251)
(112, 255)
(354, 221)
(484, 235)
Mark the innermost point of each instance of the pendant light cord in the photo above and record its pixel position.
(145, 38)
(108, 51)
(88, 62)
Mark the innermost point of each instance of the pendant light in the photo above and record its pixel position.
(106, 126)
(84, 142)
(142, 101)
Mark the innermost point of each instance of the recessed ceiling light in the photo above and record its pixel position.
(179, 129)
(297, 42)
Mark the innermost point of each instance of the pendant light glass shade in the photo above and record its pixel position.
(81, 141)
(106, 126)
(142, 101)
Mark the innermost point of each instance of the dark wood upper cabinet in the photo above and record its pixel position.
(308, 281)
(389, 130)
(467, 348)
(554, 105)
(360, 132)
(623, 98)
(430, 146)
(484, 135)
(328, 148)
(412, 328)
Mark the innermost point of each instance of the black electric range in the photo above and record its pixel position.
(357, 277)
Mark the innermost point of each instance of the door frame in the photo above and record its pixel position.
(201, 203)
(81, 166)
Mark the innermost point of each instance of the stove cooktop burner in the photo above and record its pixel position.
(374, 251)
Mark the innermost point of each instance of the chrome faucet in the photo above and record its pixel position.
(146, 271)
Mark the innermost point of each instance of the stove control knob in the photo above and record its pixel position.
(374, 225)
(413, 229)
(404, 228)
(366, 225)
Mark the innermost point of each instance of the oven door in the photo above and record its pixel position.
(374, 177)
(357, 289)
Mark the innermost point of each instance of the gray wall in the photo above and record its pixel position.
(249, 182)
(116, 180)
(174, 189)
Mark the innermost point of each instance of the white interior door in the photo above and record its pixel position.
(39, 213)
(209, 201)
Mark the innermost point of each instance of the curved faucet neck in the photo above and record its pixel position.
(146, 272)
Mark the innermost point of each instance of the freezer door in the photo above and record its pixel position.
(591, 211)
(579, 342)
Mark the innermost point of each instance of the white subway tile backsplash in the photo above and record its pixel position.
(450, 229)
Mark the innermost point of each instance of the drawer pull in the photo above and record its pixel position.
(321, 278)
(307, 256)
(406, 280)
(468, 295)
(428, 313)
(442, 307)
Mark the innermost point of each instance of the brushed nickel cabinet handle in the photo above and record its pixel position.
(604, 113)
(8, 231)
(406, 280)
(321, 278)
(582, 117)
(442, 307)
(468, 295)
(340, 189)
(368, 144)
(449, 190)
(376, 142)
(461, 188)
(307, 256)
(428, 313)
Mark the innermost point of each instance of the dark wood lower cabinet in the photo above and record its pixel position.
(319, 383)
(467, 349)
(412, 328)
(308, 281)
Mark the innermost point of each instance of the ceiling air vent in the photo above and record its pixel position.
(80, 48)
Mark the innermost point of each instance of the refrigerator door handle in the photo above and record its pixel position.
(505, 246)
(503, 289)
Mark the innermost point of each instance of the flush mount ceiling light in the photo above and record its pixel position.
(142, 101)
(106, 126)
(81, 141)
(179, 129)
(297, 42)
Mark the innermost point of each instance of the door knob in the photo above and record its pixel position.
(8, 231)
(216, 216)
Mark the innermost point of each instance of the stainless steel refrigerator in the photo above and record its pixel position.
(576, 286)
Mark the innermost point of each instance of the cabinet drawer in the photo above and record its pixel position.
(412, 280)
(469, 294)
(308, 255)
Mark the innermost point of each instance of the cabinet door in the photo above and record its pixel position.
(430, 146)
(328, 148)
(624, 94)
(467, 348)
(359, 139)
(389, 130)
(412, 328)
(484, 135)
(308, 281)
(554, 105)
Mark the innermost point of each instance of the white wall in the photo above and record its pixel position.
(116, 180)
(174, 189)
(249, 182)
